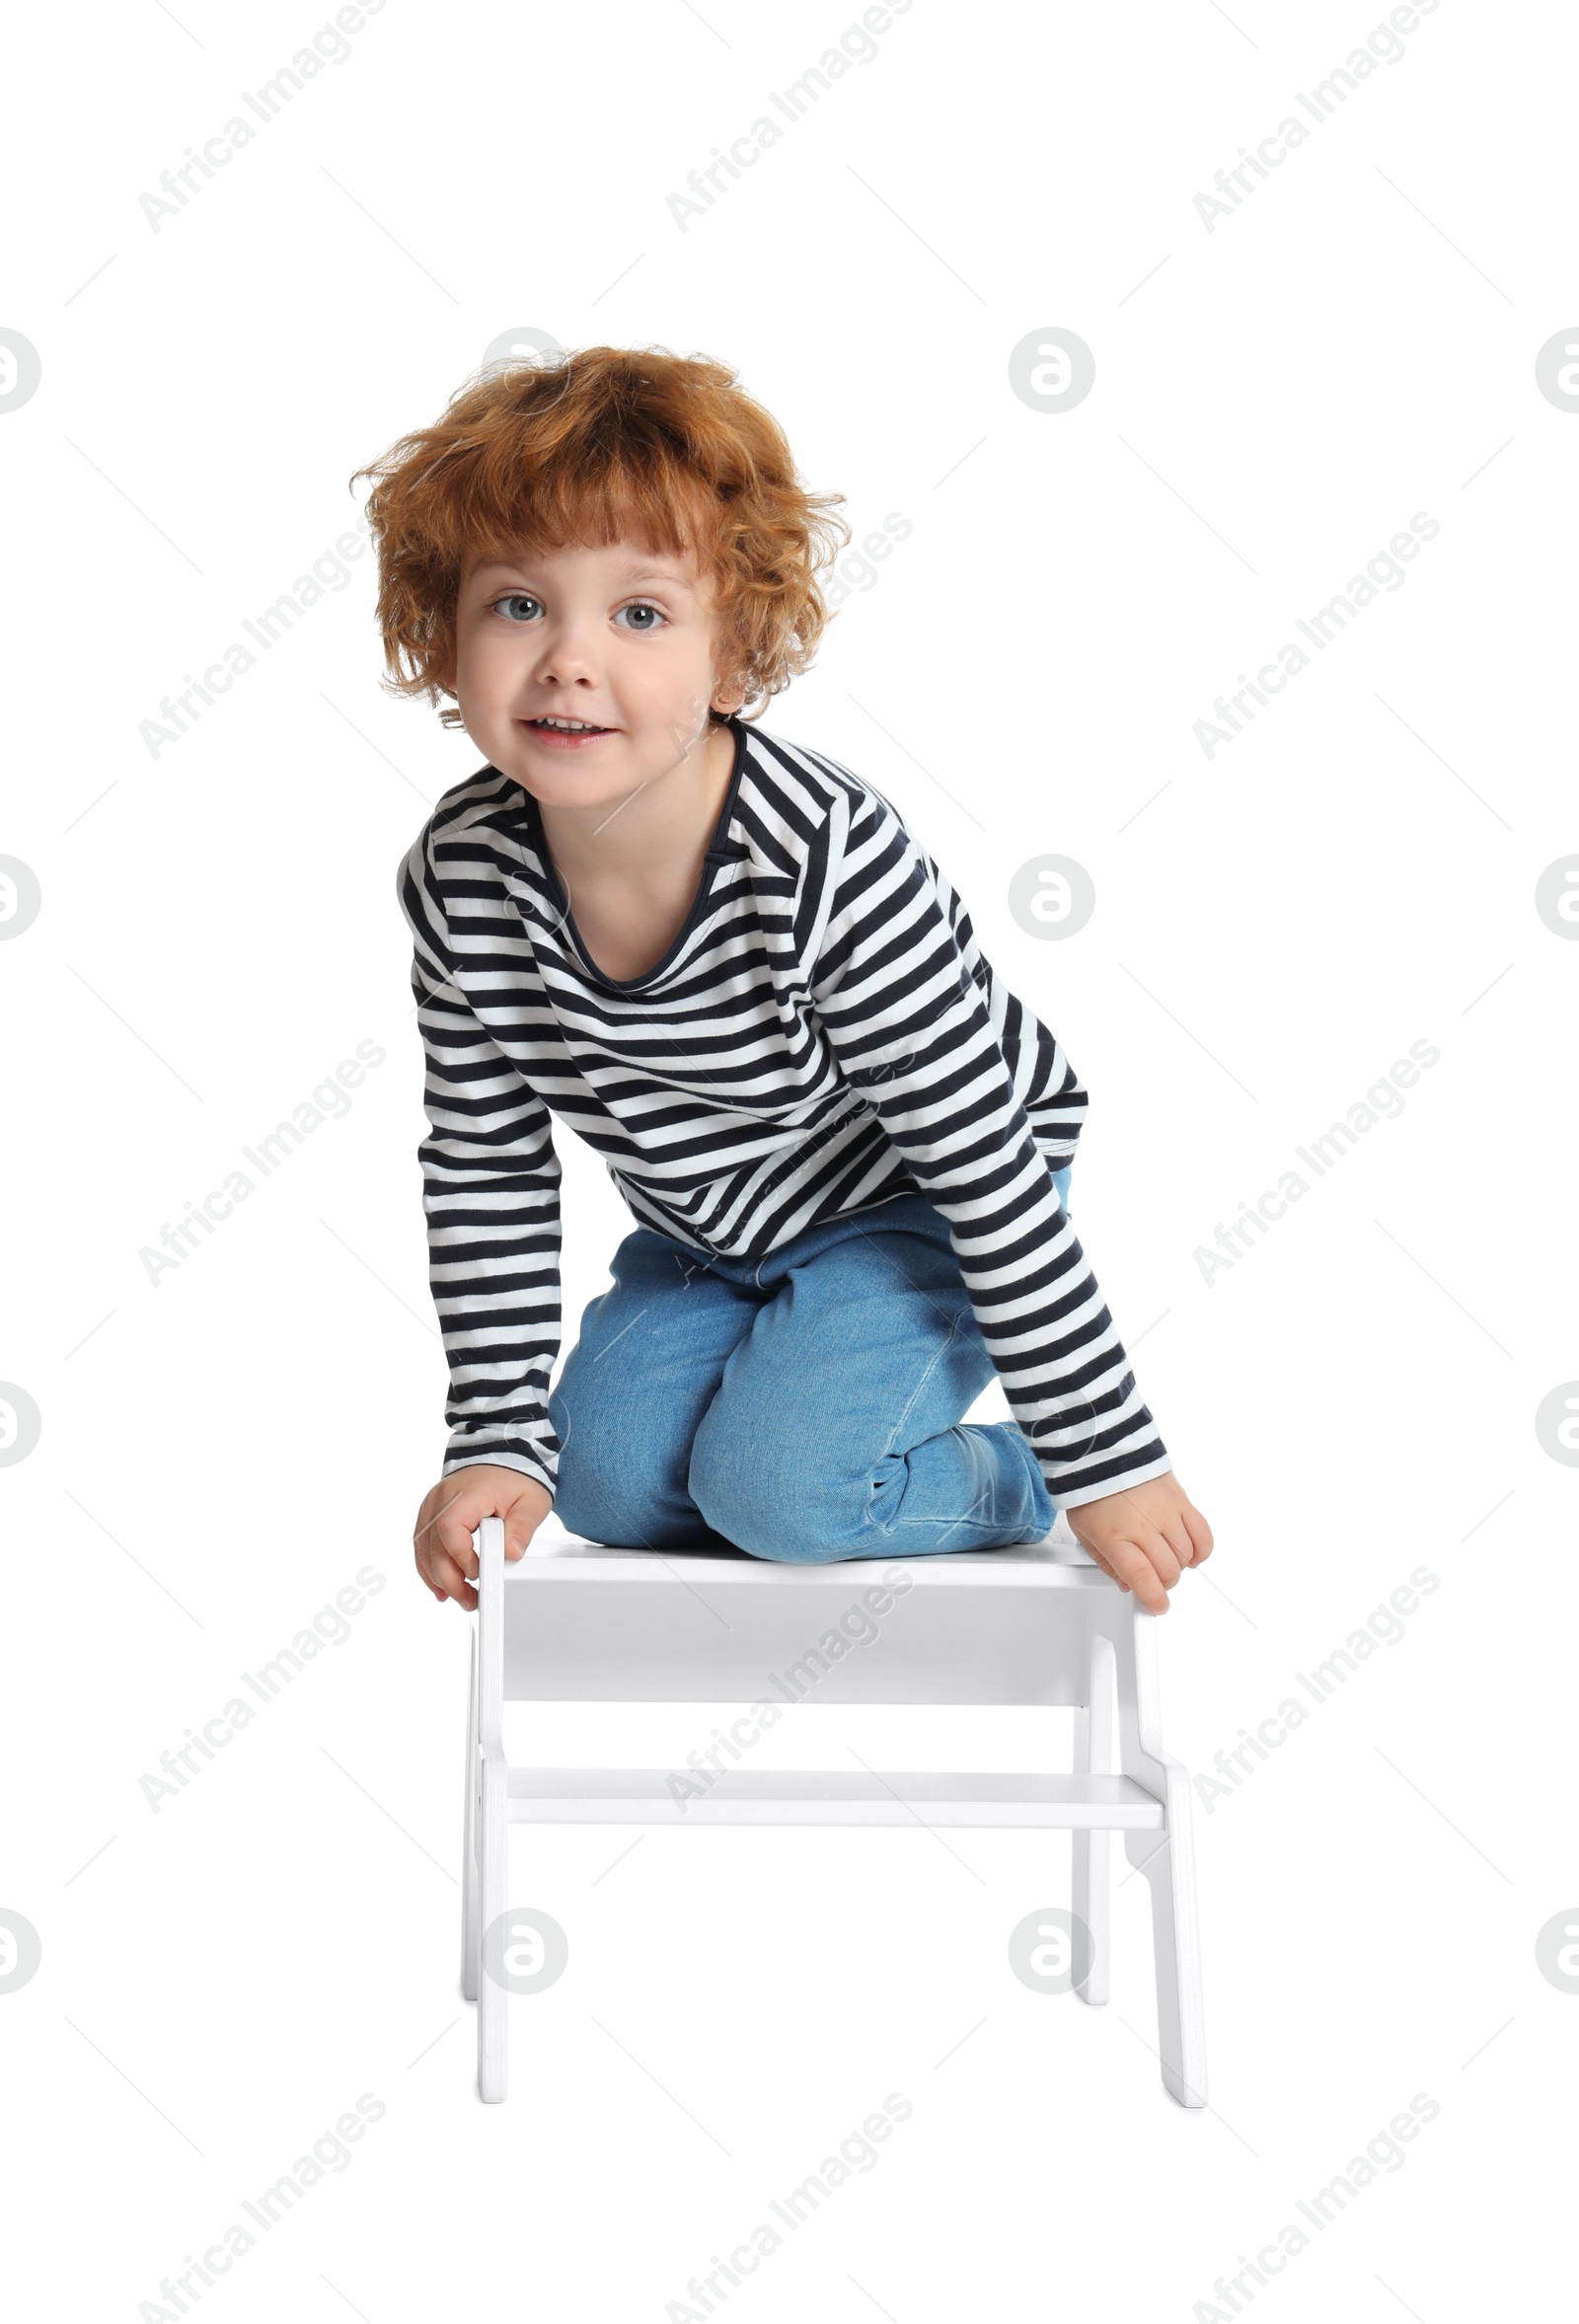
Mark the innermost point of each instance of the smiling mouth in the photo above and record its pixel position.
(564, 729)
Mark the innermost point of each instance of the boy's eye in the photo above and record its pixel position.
(510, 607)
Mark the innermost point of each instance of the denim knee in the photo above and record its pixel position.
(604, 1491)
(775, 1507)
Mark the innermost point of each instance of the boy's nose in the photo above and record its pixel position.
(566, 658)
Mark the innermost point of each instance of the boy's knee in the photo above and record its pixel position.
(606, 1492)
(769, 1500)
(584, 1503)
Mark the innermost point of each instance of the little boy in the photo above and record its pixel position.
(722, 959)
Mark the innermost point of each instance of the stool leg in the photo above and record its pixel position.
(1094, 1755)
(1180, 2027)
(492, 2001)
(1167, 1861)
(469, 1931)
(493, 1813)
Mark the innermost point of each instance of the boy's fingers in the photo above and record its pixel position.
(1106, 1562)
(455, 1583)
(1176, 1536)
(1167, 1562)
(438, 1535)
(441, 1571)
(1134, 1567)
(451, 1572)
(1108, 1568)
(453, 1536)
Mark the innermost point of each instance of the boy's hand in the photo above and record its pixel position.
(1144, 1536)
(455, 1508)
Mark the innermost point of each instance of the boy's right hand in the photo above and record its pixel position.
(452, 1512)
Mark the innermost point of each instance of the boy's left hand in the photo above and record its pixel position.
(1144, 1536)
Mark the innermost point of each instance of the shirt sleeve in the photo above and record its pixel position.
(491, 1192)
(894, 994)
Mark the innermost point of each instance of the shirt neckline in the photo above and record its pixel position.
(719, 850)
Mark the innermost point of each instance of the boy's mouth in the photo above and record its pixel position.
(565, 733)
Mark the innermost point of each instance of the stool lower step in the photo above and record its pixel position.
(659, 1795)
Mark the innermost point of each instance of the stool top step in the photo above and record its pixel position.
(556, 1554)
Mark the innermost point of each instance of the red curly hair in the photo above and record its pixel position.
(606, 444)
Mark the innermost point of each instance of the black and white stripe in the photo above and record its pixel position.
(823, 1034)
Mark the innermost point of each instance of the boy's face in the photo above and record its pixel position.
(620, 638)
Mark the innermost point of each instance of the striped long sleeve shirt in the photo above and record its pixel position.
(823, 1034)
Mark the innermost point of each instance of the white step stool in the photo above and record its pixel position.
(571, 1621)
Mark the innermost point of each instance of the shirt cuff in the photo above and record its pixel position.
(499, 1456)
(1113, 1484)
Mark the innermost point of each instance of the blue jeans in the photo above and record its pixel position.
(805, 1407)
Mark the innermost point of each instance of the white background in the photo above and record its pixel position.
(1354, 1399)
